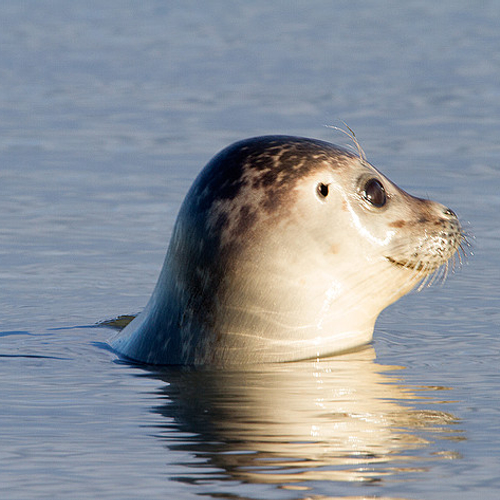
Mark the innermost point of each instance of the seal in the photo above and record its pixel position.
(286, 248)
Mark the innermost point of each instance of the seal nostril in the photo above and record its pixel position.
(322, 190)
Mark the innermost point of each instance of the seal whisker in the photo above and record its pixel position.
(432, 277)
(351, 136)
(458, 260)
(446, 271)
(440, 274)
(426, 281)
(465, 247)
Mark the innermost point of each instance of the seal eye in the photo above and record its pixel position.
(322, 190)
(374, 193)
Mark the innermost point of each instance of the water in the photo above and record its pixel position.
(107, 114)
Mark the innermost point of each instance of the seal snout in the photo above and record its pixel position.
(435, 238)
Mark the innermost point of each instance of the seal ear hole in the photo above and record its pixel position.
(374, 193)
(322, 190)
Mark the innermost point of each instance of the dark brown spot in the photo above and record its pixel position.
(398, 223)
(246, 219)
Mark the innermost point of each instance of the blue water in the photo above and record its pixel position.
(107, 113)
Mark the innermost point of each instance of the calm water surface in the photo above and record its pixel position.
(107, 113)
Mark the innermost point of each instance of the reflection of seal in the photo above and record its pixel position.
(286, 248)
(346, 418)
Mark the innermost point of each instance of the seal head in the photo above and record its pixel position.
(286, 248)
